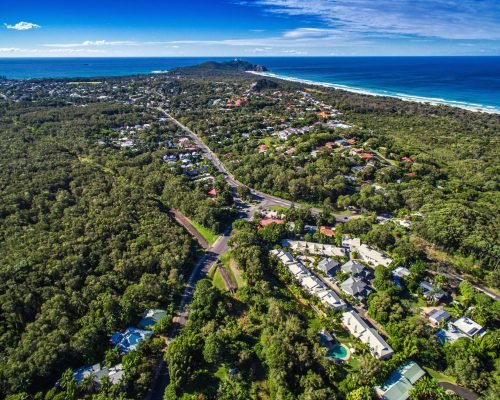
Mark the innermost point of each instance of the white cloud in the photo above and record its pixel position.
(9, 49)
(447, 19)
(301, 33)
(22, 26)
(88, 43)
(72, 51)
(295, 52)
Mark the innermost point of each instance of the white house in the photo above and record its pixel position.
(366, 253)
(329, 298)
(326, 250)
(469, 327)
(360, 330)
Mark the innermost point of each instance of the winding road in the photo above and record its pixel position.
(213, 253)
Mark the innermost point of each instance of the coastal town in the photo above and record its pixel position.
(310, 246)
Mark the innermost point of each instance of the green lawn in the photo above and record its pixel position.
(233, 273)
(209, 236)
(217, 280)
(440, 376)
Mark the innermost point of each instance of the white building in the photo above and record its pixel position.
(366, 253)
(326, 250)
(361, 331)
(330, 299)
(469, 327)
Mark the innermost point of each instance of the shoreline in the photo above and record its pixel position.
(401, 96)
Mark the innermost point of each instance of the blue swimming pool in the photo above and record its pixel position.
(338, 351)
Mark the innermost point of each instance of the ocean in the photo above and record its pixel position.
(467, 82)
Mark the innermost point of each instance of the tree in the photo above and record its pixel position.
(361, 393)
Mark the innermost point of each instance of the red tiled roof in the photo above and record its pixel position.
(268, 221)
(213, 192)
(366, 156)
(325, 230)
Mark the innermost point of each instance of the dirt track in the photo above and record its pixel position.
(181, 219)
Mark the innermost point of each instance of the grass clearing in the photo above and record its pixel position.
(233, 271)
(217, 281)
(209, 236)
(440, 376)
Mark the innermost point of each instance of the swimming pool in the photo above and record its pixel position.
(338, 351)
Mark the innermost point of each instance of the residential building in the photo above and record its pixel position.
(365, 252)
(130, 339)
(400, 382)
(355, 287)
(98, 372)
(312, 284)
(361, 331)
(328, 266)
(431, 292)
(353, 268)
(449, 334)
(326, 250)
(330, 299)
(469, 327)
(438, 317)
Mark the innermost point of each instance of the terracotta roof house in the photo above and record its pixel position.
(327, 231)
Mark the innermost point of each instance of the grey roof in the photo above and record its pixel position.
(353, 286)
(353, 267)
(431, 290)
(439, 315)
(327, 264)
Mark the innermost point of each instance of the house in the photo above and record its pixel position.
(373, 257)
(431, 292)
(327, 231)
(130, 339)
(398, 274)
(366, 156)
(98, 372)
(353, 268)
(361, 331)
(325, 337)
(312, 284)
(330, 299)
(327, 250)
(469, 327)
(449, 334)
(213, 193)
(268, 221)
(400, 382)
(262, 148)
(365, 252)
(437, 317)
(151, 317)
(298, 270)
(285, 257)
(355, 287)
(328, 266)
(401, 272)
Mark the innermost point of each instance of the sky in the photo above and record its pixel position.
(182, 28)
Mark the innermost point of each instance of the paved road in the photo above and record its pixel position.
(267, 199)
(455, 277)
(199, 272)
